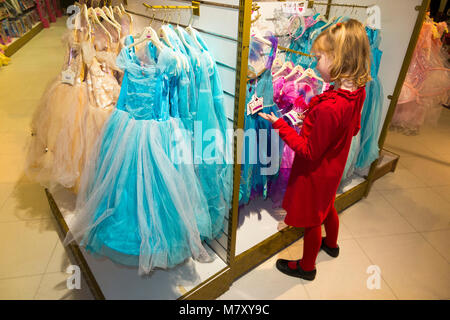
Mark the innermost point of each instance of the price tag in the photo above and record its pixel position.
(255, 105)
(293, 117)
(68, 76)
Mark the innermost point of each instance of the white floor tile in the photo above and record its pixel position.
(374, 216)
(27, 201)
(266, 283)
(424, 209)
(345, 277)
(410, 265)
(54, 286)
(23, 288)
(440, 240)
(430, 170)
(26, 247)
(401, 178)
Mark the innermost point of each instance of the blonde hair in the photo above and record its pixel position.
(348, 47)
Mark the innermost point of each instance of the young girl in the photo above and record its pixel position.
(321, 149)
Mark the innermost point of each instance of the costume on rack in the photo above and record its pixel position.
(373, 106)
(255, 172)
(57, 139)
(364, 148)
(427, 83)
(140, 204)
(203, 94)
(290, 95)
(72, 111)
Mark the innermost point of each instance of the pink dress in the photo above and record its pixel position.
(427, 83)
(289, 95)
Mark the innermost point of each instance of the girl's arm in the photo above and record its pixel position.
(323, 125)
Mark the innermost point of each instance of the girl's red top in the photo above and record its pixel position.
(321, 152)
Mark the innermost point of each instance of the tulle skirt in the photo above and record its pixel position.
(65, 126)
(370, 124)
(261, 160)
(140, 204)
(57, 141)
(417, 106)
(351, 161)
(277, 188)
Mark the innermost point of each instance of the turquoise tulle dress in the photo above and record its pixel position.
(364, 148)
(373, 106)
(140, 203)
(210, 142)
(260, 160)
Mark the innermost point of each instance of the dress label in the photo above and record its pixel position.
(255, 105)
(293, 117)
(68, 76)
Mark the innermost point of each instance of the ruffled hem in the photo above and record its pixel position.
(138, 202)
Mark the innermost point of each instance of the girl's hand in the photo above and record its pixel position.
(270, 117)
(302, 117)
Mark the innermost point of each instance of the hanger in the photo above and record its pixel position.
(130, 17)
(116, 9)
(93, 15)
(163, 34)
(297, 69)
(309, 73)
(148, 34)
(104, 15)
(191, 31)
(85, 13)
(110, 15)
(318, 31)
(283, 68)
(257, 35)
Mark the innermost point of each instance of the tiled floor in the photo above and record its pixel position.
(403, 227)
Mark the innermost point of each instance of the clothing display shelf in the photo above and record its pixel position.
(19, 23)
(230, 47)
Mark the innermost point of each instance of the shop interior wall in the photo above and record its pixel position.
(218, 26)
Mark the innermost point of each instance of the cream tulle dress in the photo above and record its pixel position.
(70, 117)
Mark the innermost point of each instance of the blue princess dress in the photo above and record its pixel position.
(222, 120)
(209, 138)
(373, 106)
(262, 148)
(364, 148)
(141, 203)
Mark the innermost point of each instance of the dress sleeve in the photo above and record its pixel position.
(323, 125)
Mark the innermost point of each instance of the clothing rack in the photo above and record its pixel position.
(312, 3)
(195, 7)
(183, 25)
(296, 52)
(256, 8)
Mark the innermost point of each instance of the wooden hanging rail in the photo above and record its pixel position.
(169, 7)
(311, 3)
(296, 52)
(341, 5)
(195, 7)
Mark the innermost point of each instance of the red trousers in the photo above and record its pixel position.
(313, 240)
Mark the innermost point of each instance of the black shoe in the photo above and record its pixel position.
(282, 265)
(333, 252)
